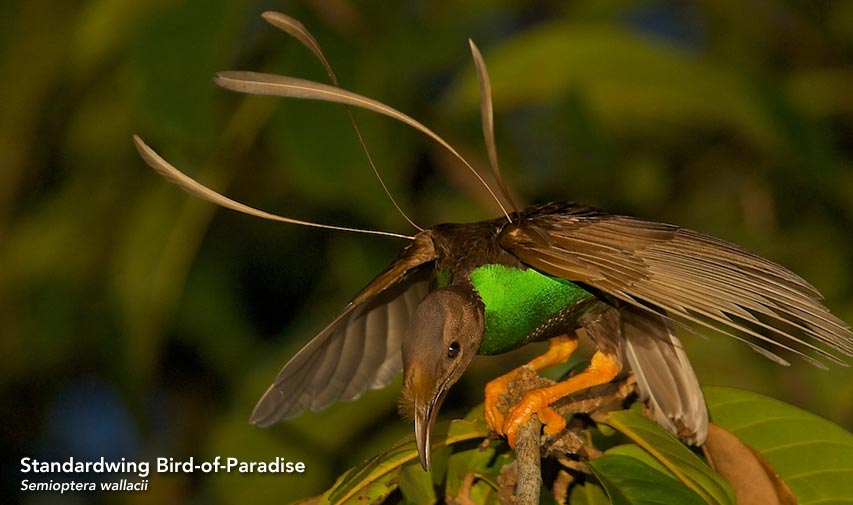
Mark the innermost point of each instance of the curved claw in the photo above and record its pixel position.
(534, 402)
(554, 422)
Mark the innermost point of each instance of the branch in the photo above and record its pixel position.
(529, 474)
(527, 480)
(521, 482)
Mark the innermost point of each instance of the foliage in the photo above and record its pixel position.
(642, 463)
(810, 453)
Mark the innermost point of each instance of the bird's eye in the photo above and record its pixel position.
(453, 350)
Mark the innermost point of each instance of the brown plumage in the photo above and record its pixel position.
(681, 274)
(656, 275)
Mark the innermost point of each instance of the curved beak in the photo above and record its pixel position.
(425, 417)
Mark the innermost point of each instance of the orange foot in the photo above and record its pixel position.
(534, 402)
(561, 348)
(494, 390)
(602, 369)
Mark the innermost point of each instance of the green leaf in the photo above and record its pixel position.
(377, 477)
(372, 490)
(637, 452)
(629, 481)
(416, 485)
(588, 494)
(674, 455)
(465, 462)
(813, 455)
(482, 492)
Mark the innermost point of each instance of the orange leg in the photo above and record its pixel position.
(559, 351)
(601, 370)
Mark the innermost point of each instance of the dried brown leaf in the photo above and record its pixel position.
(753, 478)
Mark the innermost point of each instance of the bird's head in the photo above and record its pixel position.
(443, 336)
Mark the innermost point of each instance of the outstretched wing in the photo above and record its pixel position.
(360, 349)
(683, 275)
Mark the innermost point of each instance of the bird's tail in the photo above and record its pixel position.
(665, 377)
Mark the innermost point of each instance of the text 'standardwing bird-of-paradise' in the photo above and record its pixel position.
(534, 274)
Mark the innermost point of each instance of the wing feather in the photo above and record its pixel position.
(360, 349)
(682, 275)
(373, 354)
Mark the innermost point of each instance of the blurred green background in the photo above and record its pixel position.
(137, 322)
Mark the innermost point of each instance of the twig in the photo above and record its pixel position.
(521, 482)
(527, 458)
(561, 486)
(463, 497)
(528, 475)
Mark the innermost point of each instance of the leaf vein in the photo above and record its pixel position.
(792, 445)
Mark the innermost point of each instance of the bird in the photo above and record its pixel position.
(459, 290)
(544, 273)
